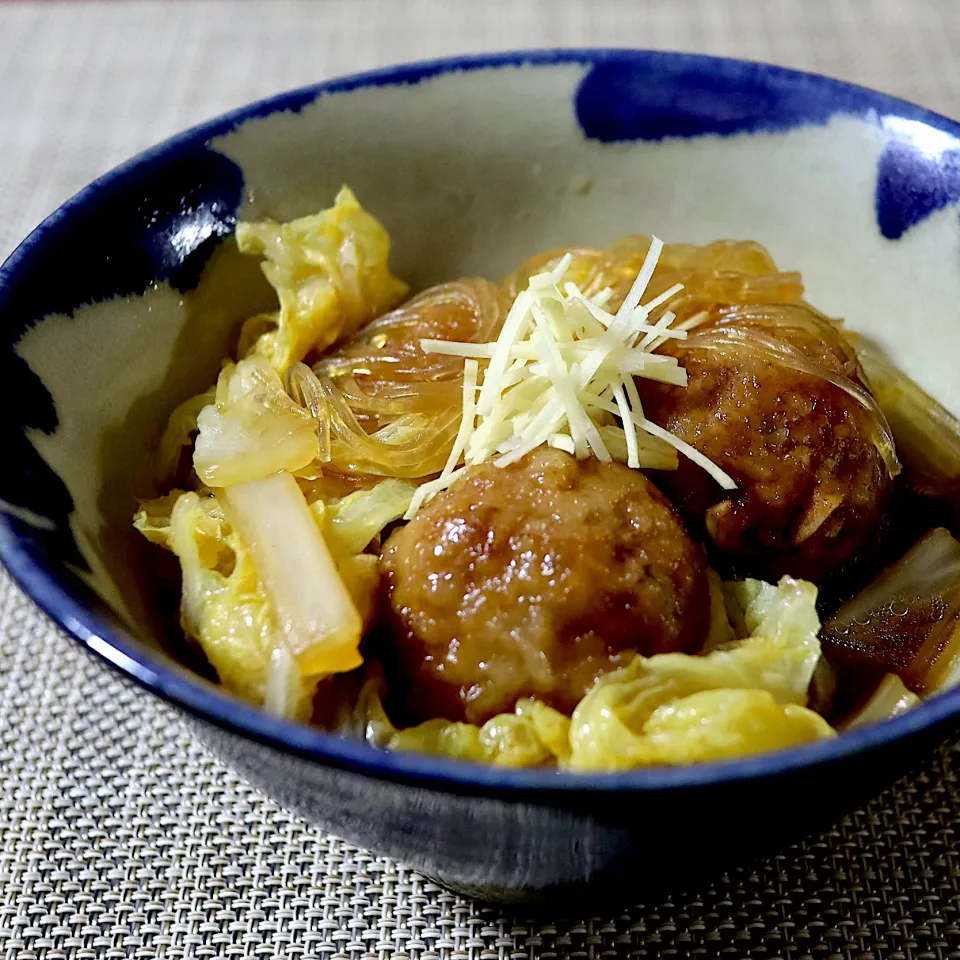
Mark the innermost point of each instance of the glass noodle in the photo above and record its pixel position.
(735, 301)
(383, 406)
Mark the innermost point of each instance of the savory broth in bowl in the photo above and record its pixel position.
(629, 507)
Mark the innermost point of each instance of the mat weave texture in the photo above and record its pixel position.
(120, 835)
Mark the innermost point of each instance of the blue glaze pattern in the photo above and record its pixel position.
(912, 184)
(662, 95)
(115, 238)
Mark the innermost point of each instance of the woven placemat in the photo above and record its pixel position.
(120, 835)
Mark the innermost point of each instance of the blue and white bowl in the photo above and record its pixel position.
(121, 303)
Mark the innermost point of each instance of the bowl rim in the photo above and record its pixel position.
(208, 702)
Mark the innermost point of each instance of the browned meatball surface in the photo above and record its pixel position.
(811, 483)
(534, 580)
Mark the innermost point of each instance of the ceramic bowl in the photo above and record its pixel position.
(122, 302)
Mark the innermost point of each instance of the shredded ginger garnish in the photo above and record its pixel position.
(560, 367)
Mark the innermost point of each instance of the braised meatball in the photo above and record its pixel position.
(811, 482)
(533, 580)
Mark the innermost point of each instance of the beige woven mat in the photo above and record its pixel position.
(119, 835)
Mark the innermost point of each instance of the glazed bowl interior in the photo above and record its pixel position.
(122, 303)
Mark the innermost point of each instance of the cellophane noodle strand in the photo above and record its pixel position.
(734, 300)
(386, 408)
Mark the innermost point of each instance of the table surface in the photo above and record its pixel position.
(120, 835)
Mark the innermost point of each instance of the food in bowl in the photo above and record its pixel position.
(625, 507)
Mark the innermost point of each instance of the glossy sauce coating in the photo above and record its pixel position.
(811, 484)
(534, 580)
(906, 622)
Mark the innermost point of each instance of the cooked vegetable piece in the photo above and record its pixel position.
(907, 621)
(690, 727)
(316, 617)
(744, 697)
(532, 735)
(927, 435)
(349, 524)
(180, 431)
(223, 604)
(331, 276)
(889, 699)
(253, 429)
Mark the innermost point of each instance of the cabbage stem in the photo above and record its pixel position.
(318, 620)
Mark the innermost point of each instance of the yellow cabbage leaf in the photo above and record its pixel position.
(534, 735)
(744, 696)
(723, 724)
(225, 606)
(508, 740)
(252, 429)
(349, 524)
(179, 432)
(331, 274)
